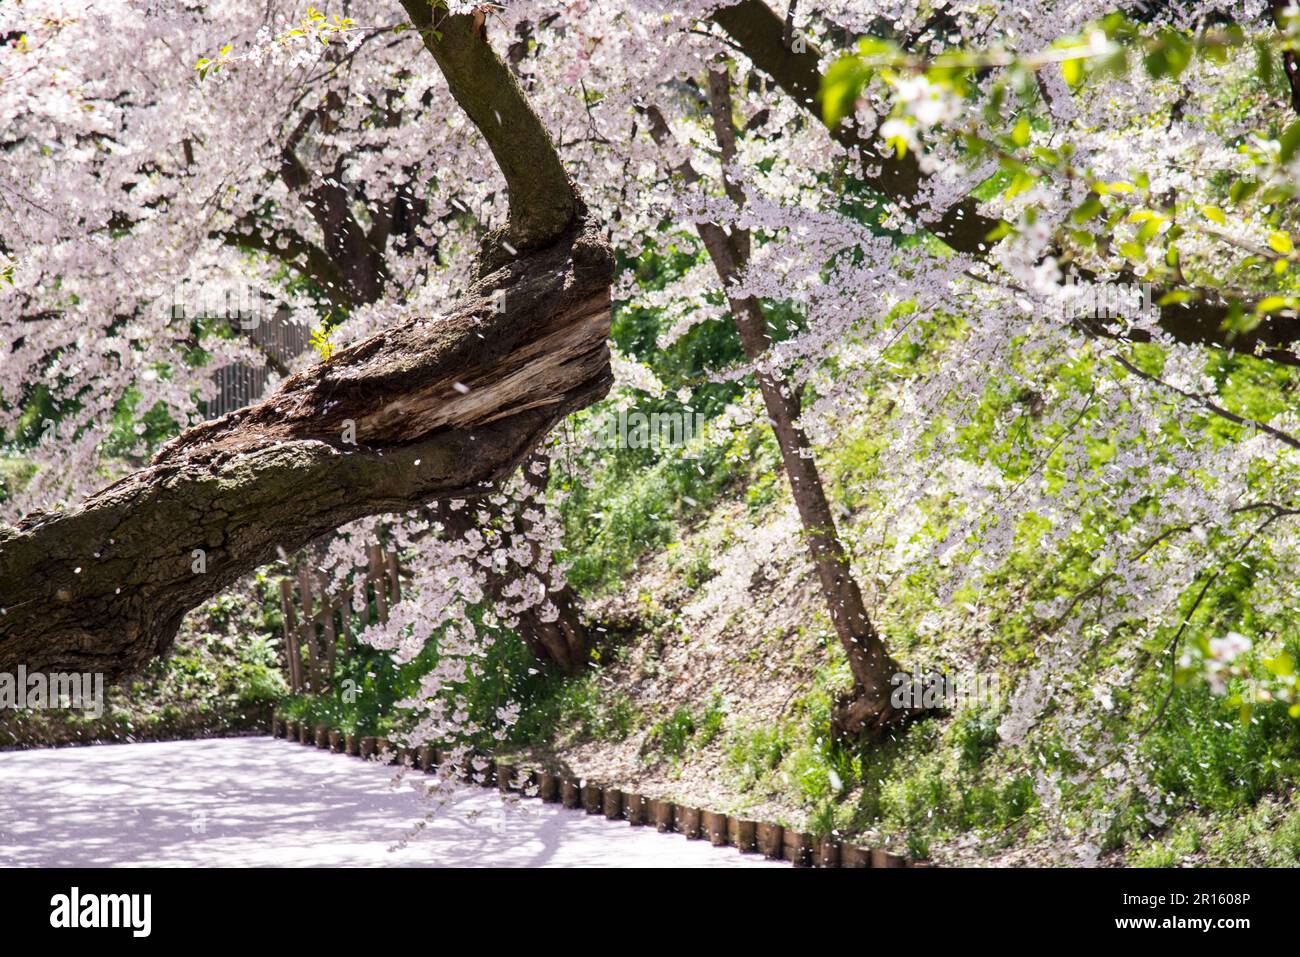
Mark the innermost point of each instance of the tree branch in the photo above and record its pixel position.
(543, 202)
(759, 31)
(430, 409)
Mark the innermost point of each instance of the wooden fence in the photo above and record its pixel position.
(697, 823)
(317, 621)
(241, 384)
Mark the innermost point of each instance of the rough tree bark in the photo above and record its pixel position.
(752, 26)
(435, 408)
(867, 710)
(539, 190)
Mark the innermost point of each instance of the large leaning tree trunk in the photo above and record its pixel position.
(352, 268)
(760, 33)
(867, 710)
(437, 407)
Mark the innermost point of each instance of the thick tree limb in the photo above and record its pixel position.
(543, 202)
(439, 407)
(754, 27)
(434, 408)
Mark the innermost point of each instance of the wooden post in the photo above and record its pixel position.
(688, 822)
(327, 619)
(570, 794)
(592, 799)
(548, 787)
(505, 777)
(768, 837)
(798, 848)
(307, 633)
(366, 615)
(394, 576)
(291, 653)
(662, 812)
(613, 804)
(343, 602)
(853, 856)
(881, 858)
(744, 839)
(376, 577)
(634, 809)
(827, 853)
(715, 828)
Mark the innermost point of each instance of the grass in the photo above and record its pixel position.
(673, 737)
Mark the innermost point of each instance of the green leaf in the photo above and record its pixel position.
(1149, 229)
(1282, 665)
(1020, 133)
(1242, 189)
(1072, 71)
(1214, 215)
(1280, 242)
(999, 232)
(1170, 55)
(841, 87)
(1271, 304)
(1289, 141)
(1089, 209)
(1019, 183)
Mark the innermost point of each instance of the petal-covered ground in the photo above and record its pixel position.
(238, 802)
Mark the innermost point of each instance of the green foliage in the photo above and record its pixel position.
(670, 738)
(1203, 752)
(752, 753)
(620, 512)
(221, 676)
(568, 710)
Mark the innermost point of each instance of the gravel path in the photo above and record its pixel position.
(240, 802)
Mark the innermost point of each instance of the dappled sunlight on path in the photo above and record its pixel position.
(262, 801)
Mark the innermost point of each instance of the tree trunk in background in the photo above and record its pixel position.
(562, 642)
(867, 710)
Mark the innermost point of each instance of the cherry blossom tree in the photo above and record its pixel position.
(1042, 254)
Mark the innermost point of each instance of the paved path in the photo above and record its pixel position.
(241, 802)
